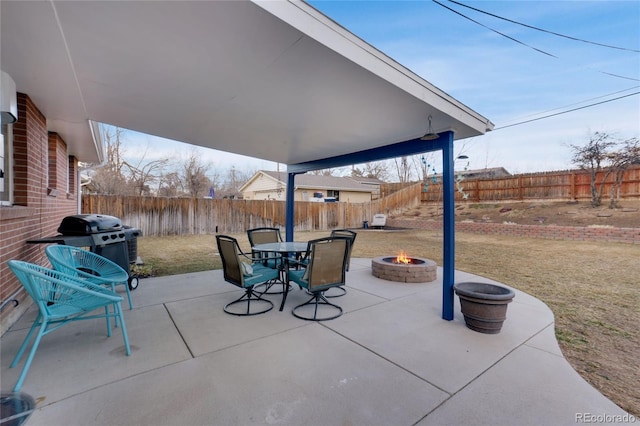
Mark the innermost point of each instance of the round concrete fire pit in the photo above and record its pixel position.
(418, 270)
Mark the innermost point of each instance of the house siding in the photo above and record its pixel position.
(265, 187)
(41, 165)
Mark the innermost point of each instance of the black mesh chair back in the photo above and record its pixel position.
(264, 235)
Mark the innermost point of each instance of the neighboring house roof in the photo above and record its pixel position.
(484, 173)
(367, 181)
(311, 181)
(488, 173)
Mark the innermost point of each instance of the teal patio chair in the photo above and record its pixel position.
(326, 268)
(88, 266)
(60, 299)
(272, 260)
(246, 273)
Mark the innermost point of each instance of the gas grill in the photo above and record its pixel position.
(101, 234)
(102, 229)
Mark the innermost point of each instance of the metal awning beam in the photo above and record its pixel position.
(411, 147)
(400, 149)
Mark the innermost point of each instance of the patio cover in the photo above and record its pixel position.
(275, 80)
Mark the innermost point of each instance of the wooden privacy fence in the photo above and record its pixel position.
(563, 185)
(158, 216)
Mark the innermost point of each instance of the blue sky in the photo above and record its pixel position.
(506, 81)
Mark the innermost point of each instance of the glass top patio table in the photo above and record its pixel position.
(283, 247)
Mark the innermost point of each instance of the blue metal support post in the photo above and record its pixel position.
(289, 207)
(449, 251)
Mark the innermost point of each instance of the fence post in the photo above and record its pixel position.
(520, 189)
(477, 185)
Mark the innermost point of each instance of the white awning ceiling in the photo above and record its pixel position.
(276, 80)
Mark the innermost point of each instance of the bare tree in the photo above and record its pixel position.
(598, 156)
(324, 172)
(145, 173)
(621, 160)
(376, 169)
(170, 185)
(193, 174)
(425, 164)
(119, 175)
(233, 180)
(403, 169)
(109, 178)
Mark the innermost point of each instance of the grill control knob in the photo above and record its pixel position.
(105, 237)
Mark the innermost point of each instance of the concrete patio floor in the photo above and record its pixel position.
(389, 360)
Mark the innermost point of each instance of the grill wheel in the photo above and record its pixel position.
(133, 283)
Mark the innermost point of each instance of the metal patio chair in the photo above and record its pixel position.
(242, 271)
(351, 236)
(88, 266)
(60, 299)
(326, 269)
(265, 235)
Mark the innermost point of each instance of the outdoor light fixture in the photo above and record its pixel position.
(430, 135)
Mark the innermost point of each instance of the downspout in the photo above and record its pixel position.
(449, 251)
(78, 189)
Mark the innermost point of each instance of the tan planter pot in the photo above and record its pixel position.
(483, 305)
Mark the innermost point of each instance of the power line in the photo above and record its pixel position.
(581, 102)
(620, 76)
(518, 41)
(495, 31)
(565, 112)
(543, 30)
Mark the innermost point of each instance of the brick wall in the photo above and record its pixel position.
(41, 201)
(576, 233)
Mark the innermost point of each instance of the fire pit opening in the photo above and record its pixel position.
(407, 261)
(403, 268)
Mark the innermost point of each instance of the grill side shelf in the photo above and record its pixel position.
(76, 241)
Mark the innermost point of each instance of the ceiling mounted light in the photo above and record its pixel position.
(430, 135)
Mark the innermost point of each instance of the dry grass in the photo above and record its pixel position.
(592, 288)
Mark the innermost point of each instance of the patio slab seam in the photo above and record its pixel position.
(470, 382)
(257, 339)
(231, 290)
(173, 321)
(385, 299)
(386, 359)
(532, 346)
(524, 343)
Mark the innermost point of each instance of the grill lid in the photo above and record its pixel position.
(85, 224)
